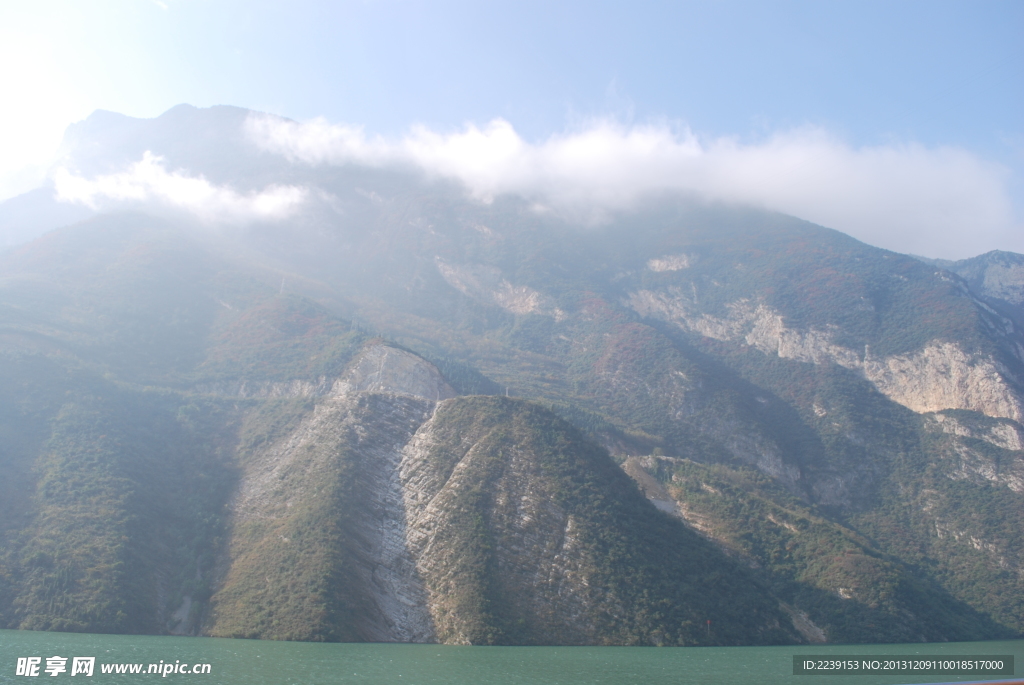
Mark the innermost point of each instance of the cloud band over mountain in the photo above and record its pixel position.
(941, 201)
(148, 182)
(937, 202)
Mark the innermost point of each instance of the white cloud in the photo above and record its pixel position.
(941, 201)
(147, 181)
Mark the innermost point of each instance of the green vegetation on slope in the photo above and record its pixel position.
(850, 589)
(647, 579)
(286, 578)
(126, 513)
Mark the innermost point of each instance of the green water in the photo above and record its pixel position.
(238, 662)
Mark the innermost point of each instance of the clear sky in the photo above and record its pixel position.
(902, 121)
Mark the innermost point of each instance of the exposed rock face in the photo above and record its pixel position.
(995, 274)
(486, 284)
(943, 376)
(674, 262)
(652, 489)
(1005, 281)
(640, 469)
(755, 324)
(1008, 436)
(524, 534)
(1003, 465)
(341, 462)
(473, 521)
(802, 622)
(382, 368)
(537, 553)
(940, 376)
(368, 431)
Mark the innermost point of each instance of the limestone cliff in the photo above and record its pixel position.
(944, 376)
(941, 375)
(535, 552)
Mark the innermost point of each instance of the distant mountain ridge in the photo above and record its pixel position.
(398, 413)
(997, 274)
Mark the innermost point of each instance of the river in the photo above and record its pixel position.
(251, 662)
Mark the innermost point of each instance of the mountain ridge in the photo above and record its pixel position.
(862, 408)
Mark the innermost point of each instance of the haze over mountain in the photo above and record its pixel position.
(267, 392)
(894, 124)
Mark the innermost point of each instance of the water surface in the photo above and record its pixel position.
(251, 662)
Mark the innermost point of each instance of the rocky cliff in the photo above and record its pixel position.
(939, 376)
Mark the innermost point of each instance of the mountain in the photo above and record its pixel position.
(400, 413)
(998, 278)
(34, 213)
(997, 275)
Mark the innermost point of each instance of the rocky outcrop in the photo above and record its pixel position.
(652, 489)
(387, 369)
(803, 623)
(754, 324)
(942, 375)
(339, 465)
(538, 544)
(671, 262)
(1005, 281)
(524, 533)
(1002, 466)
(975, 465)
(386, 517)
(357, 437)
(487, 285)
(1003, 434)
(996, 274)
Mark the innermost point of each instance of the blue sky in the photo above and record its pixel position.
(857, 83)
